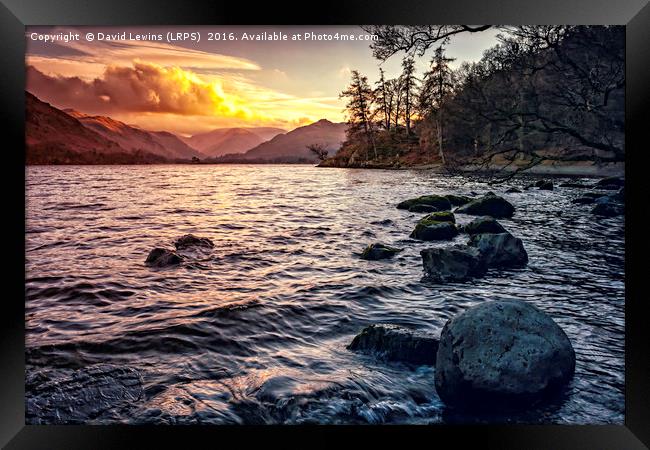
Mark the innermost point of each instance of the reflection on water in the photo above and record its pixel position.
(255, 330)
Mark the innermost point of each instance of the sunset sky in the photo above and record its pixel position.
(190, 87)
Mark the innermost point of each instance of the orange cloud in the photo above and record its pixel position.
(142, 87)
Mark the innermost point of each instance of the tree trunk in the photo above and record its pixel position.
(440, 150)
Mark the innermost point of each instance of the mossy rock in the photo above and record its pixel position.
(489, 205)
(439, 202)
(437, 217)
(378, 251)
(458, 200)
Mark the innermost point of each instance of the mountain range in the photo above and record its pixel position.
(292, 146)
(231, 140)
(131, 138)
(55, 136)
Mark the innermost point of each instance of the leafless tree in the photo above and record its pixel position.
(319, 150)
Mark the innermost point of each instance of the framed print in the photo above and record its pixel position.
(261, 223)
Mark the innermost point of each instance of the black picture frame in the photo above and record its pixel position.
(16, 14)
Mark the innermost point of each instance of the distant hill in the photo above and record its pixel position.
(231, 140)
(292, 146)
(132, 138)
(55, 137)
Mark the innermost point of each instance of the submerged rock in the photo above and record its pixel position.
(452, 264)
(513, 190)
(608, 210)
(483, 225)
(573, 185)
(500, 249)
(458, 200)
(377, 251)
(617, 198)
(594, 194)
(421, 208)
(502, 354)
(161, 257)
(583, 200)
(439, 202)
(434, 231)
(611, 181)
(395, 343)
(488, 205)
(609, 187)
(79, 396)
(588, 198)
(189, 240)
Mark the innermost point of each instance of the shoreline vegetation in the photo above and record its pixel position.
(545, 100)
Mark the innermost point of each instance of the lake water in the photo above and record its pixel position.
(255, 330)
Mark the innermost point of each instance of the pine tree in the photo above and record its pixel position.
(437, 87)
(384, 98)
(359, 109)
(409, 83)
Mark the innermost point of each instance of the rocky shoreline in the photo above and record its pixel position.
(581, 170)
(501, 354)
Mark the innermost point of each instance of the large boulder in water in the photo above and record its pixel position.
(500, 249)
(161, 257)
(395, 343)
(483, 225)
(377, 251)
(189, 240)
(439, 202)
(488, 205)
(502, 354)
(452, 264)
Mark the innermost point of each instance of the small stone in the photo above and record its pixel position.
(378, 251)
